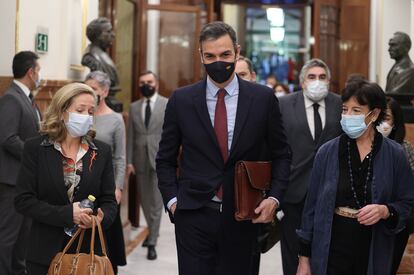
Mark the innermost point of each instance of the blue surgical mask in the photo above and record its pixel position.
(78, 125)
(354, 125)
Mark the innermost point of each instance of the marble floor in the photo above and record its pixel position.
(166, 264)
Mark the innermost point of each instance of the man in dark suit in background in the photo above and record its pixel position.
(19, 120)
(244, 69)
(311, 118)
(217, 122)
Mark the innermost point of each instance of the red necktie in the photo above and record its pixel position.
(220, 127)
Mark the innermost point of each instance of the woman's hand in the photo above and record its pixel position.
(130, 170)
(86, 221)
(100, 215)
(372, 213)
(80, 214)
(304, 266)
(118, 195)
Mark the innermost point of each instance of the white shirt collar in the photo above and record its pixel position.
(153, 98)
(309, 103)
(231, 88)
(24, 88)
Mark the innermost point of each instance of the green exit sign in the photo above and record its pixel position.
(42, 42)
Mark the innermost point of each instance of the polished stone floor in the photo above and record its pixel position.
(166, 264)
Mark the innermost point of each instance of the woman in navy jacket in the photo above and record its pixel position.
(360, 194)
(60, 169)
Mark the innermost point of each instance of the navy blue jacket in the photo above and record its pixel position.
(258, 135)
(392, 184)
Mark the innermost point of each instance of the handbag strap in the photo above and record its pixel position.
(68, 245)
(96, 223)
(92, 246)
(101, 236)
(80, 241)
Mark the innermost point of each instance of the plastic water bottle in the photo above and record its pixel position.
(86, 203)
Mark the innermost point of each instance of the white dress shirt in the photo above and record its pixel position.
(309, 114)
(152, 99)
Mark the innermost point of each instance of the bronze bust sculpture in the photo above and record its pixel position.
(99, 32)
(400, 78)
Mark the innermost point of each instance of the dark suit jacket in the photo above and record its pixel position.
(41, 194)
(18, 122)
(258, 135)
(300, 139)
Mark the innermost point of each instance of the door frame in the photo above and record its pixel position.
(142, 62)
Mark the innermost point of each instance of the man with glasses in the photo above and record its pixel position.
(311, 118)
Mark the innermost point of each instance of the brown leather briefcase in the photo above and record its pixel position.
(252, 180)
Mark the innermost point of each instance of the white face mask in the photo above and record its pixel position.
(78, 125)
(384, 128)
(280, 94)
(316, 90)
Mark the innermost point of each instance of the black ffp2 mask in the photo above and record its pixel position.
(220, 71)
(147, 90)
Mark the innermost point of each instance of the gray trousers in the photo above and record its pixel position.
(14, 234)
(151, 201)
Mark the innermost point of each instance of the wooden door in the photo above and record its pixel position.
(326, 32)
(341, 31)
(354, 39)
(169, 44)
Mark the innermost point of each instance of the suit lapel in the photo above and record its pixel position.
(140, 120)
(26, 102)
(301, 118)
(55, 167)
(243, 105)
(329, 115)
(200, 102)
(155, 113)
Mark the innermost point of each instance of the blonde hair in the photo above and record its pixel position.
(53, 124)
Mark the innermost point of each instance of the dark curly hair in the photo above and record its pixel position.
(366, 93)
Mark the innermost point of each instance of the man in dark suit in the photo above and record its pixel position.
(310, 118)
(217, 122)
(19, 120)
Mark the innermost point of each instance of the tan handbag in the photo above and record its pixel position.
(81, 263)
(252, 180)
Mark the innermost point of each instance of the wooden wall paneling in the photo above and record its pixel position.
(47, 90)
(5, 82)
(354, 39)
(325, 29)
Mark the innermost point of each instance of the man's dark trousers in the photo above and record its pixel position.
(200, 232)
(12, 227)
